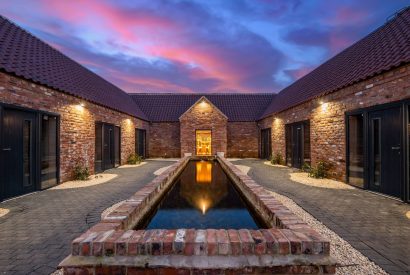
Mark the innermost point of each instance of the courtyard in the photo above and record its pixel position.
(37, 232)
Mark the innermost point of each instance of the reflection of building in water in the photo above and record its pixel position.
(203, 172)
(199, 195)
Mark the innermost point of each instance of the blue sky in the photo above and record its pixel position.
(200, 46)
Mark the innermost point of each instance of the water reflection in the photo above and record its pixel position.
(203, 172)
(202, 197)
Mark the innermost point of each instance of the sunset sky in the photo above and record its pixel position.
(200, 46)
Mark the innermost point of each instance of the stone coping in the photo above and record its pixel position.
(113, 240)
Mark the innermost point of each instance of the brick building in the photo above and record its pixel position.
(351, 112)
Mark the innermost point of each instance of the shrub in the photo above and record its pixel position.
(134, 159)
(81, 172)
(319, 171)
(306, 167)
(277, 159)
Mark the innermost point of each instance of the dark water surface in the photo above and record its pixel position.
(202, 197)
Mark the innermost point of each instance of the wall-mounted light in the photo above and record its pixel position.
(82, 104)
(324, 105)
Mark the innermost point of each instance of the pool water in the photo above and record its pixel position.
(202, 197)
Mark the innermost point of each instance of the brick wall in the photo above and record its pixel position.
(77, 124)
(203, 116)
(243, 139)
(164, 140)
(327, 123)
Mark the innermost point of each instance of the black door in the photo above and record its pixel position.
(297, 136)
(140, 142)
(266, 143)
(385, 151)
(18, 154)
(108, 146)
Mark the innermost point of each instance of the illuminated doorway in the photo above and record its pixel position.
(203, 142)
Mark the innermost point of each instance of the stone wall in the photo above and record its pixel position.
(203, 116)
(77, 123)
(164, 140)
(326, 115)
(243, 139)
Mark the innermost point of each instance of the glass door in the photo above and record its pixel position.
(203, 142)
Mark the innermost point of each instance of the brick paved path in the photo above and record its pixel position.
(35, 236)
(375, 225)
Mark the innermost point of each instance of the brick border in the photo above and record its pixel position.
(289, 242)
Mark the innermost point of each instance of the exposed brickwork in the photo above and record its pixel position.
(243, 139)
(203, 116)
(288, 236)
(327, 121)
(164, 140)
(77, 124)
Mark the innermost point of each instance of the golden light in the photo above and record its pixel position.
(408, 214)
(203, 172)
(128, 121)
(324, 105)
(80, 107)
(204, 204)
(203, 104)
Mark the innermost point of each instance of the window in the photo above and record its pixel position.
(49, 153)
(117, 145)
(356, 150)
(27, 136)
(98, 147)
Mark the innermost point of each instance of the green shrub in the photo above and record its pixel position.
(306, 167)
(319, 171)
(134, 159)
(81, 172)
(277, 159)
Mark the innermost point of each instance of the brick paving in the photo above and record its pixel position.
(36, 235)
(375, 225)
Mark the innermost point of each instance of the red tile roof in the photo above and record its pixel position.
(384, 49)
(169, 107)
(26, 56)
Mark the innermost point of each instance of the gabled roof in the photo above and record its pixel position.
(26, 56)
(169, 107)
(203, 99)
(386, 48)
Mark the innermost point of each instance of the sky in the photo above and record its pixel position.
(200, 46)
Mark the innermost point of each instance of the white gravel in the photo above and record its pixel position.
(132, 165)
(274, 165)
(93, 180)
(303, 178)
(351, 261)
(245, 169)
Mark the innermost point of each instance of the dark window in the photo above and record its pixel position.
(27, 153)
(297, 136)
(117, 145)
(306, 142)
(288, 138)
(376, 151)
(49, 154)
(140, 135)
(98, 147)
(356, 150)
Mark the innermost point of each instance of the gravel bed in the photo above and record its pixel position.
(132, 165)
(275, 165)
(350, 260)
(93, 180)
(303, 178)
